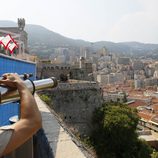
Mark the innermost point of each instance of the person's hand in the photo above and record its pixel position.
(11, 80)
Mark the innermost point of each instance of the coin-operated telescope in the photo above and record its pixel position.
(8, 94)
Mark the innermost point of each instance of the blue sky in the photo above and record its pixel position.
(92, 20)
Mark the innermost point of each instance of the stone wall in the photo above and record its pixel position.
(75, 103)
(45, 70)
(51, 70)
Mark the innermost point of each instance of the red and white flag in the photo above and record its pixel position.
(9, 43)
(6, 40)
(12, 46)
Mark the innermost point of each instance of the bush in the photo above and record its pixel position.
(154, 154)
(114, 134)
(45, 98)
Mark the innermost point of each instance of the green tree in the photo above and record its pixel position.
(143, 150)
(114, 134)
(154, 154)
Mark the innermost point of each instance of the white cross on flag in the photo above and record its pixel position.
(6, 40)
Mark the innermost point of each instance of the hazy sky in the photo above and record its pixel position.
(92, 20)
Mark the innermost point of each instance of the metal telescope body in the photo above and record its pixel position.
(11, 95)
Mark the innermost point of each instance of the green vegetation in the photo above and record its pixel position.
(114, 134)
(45, 98)
(154, 154)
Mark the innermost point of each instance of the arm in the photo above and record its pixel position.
(30, 119)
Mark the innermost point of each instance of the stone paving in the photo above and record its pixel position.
(60, 141)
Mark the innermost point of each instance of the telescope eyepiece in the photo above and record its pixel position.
(25, 76)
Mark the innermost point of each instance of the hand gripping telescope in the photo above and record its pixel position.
(9, 95)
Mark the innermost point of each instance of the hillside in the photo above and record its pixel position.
(50, 38)
(42, 42)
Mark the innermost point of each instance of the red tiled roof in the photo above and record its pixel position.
(155, 107)
(137, 103)
(155, 119)
(154, 100)
(146, 116)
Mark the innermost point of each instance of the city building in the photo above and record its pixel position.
(110, 78)
(123, 60)
(137, 65)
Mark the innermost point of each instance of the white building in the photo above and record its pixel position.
(110, 78)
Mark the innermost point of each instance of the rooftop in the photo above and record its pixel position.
(137, 103)
(146, 116)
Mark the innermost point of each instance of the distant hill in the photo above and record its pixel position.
(42, 41)
(50, 38)
(135, 48)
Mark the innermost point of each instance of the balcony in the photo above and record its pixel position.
(54, 140)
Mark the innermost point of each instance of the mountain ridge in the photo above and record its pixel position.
(42, 41)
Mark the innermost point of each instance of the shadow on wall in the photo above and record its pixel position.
(41, 145)
(46, 139)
